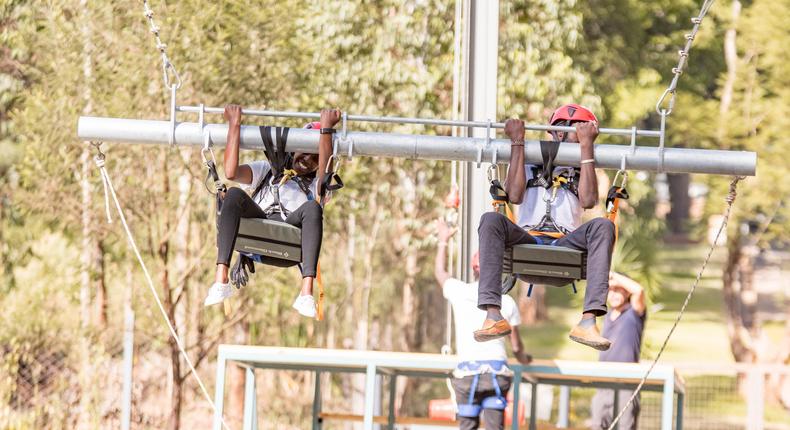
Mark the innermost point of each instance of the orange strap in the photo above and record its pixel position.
(319, 315)
(497, 204)
(614, 206)
(552, 234)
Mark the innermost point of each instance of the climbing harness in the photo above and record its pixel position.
(497, 402)
(100, 160)
(270, 242)
(544, 262)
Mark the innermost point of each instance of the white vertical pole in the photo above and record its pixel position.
(480, 103)
(219, 390)
(667, 401)
(370, 393)
(755, 404)
(563, 409)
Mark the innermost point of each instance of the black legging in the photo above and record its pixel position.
(237, 205)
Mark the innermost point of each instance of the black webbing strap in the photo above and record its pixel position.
(497, 191)
(220, 186)
(543, 176)
(327, 186)
(548, 151)
(278, 158)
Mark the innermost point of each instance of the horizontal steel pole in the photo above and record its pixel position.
(676, 160)
(423, 121)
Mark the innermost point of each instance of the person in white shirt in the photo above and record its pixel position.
(550, 204)
(293, 201)
(482, 378)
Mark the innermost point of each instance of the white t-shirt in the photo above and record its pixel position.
(468, 318)
(291, 195)
(566, 210)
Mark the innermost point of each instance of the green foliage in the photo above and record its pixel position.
(636, 250)
(382, 58)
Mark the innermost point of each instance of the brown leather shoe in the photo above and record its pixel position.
(492, 330)
(590, 336)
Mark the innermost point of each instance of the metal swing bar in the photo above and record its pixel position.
(426, 147)
(421, 121)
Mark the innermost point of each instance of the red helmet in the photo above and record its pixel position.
(572, 112)
(315, 125)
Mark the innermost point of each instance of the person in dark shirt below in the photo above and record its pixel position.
(623, 326)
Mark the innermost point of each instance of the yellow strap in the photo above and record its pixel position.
(287, 175)
(320, 309)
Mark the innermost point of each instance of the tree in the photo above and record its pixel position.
(754, 114)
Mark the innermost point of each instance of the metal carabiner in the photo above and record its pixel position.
(492, 173)
(207, 148)
(334, 156)
(624, 173)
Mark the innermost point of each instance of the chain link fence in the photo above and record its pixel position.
(718, 397)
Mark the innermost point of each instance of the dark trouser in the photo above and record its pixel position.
(492, 418)
(497, 233)
(603, 412)
(237, 205)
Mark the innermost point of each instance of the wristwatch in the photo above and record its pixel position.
(327, 130)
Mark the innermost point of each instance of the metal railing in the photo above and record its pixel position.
(419, 121)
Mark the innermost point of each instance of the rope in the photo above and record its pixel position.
(100, 163)
(683, 54)
(168, 67)
(730, 200)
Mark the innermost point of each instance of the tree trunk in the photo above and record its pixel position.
(87, 260)
(168, 300)
(740, 301)
(533, 309)
(680, 205)
(731, 60)
(100, 312)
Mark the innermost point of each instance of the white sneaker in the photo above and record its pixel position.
(305, 305)
(217, 293)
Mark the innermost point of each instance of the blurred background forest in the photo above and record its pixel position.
(66, 276)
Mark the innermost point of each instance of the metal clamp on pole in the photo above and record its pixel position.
(344, 137)
(623, 171)
(487, 144)
(662, 140)
(171, 138)
(334, 157)
(493, 169)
